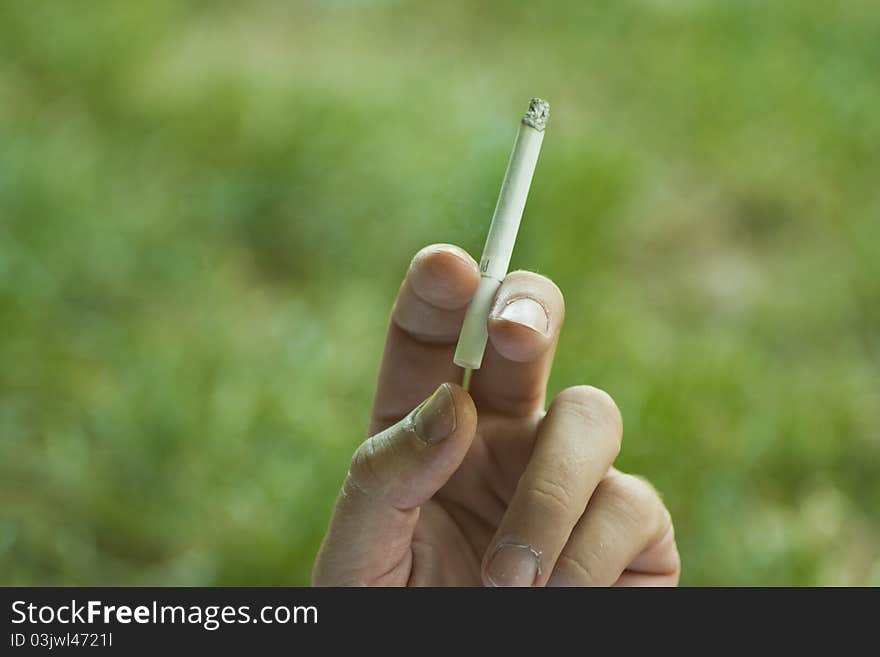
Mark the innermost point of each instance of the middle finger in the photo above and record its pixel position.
(523, 327)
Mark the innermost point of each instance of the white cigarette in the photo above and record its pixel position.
(502, 233)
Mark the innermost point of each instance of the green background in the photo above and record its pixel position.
(206, 209)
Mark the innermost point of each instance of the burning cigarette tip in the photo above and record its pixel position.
(537, 114)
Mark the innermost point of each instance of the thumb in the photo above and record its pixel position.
(391, 475)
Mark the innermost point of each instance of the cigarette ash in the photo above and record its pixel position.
(537, 114)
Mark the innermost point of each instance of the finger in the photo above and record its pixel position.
(524, 325)
(423, 330)
(658, 565)
(391, 475)
(624, 537)
(641, 580)
(577, 442)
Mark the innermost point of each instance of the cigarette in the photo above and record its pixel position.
(502, 233)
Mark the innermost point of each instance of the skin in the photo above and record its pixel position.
(491, 489)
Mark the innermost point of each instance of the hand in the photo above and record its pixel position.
(487, 488)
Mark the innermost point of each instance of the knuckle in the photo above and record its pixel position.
(634, 499)
(519, 403)
(549, 497)
(593, 406)
(583, 568)
(363, 473)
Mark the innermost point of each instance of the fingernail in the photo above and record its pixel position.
(513, 565)
(435, 418)
(528, 312)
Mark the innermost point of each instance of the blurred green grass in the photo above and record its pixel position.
(206, 208)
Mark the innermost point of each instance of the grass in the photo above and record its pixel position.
(205, 212)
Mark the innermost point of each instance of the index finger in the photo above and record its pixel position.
(424, 327)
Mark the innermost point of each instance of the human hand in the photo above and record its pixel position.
(486, 488)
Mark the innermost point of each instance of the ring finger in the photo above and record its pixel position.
(624, 537)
